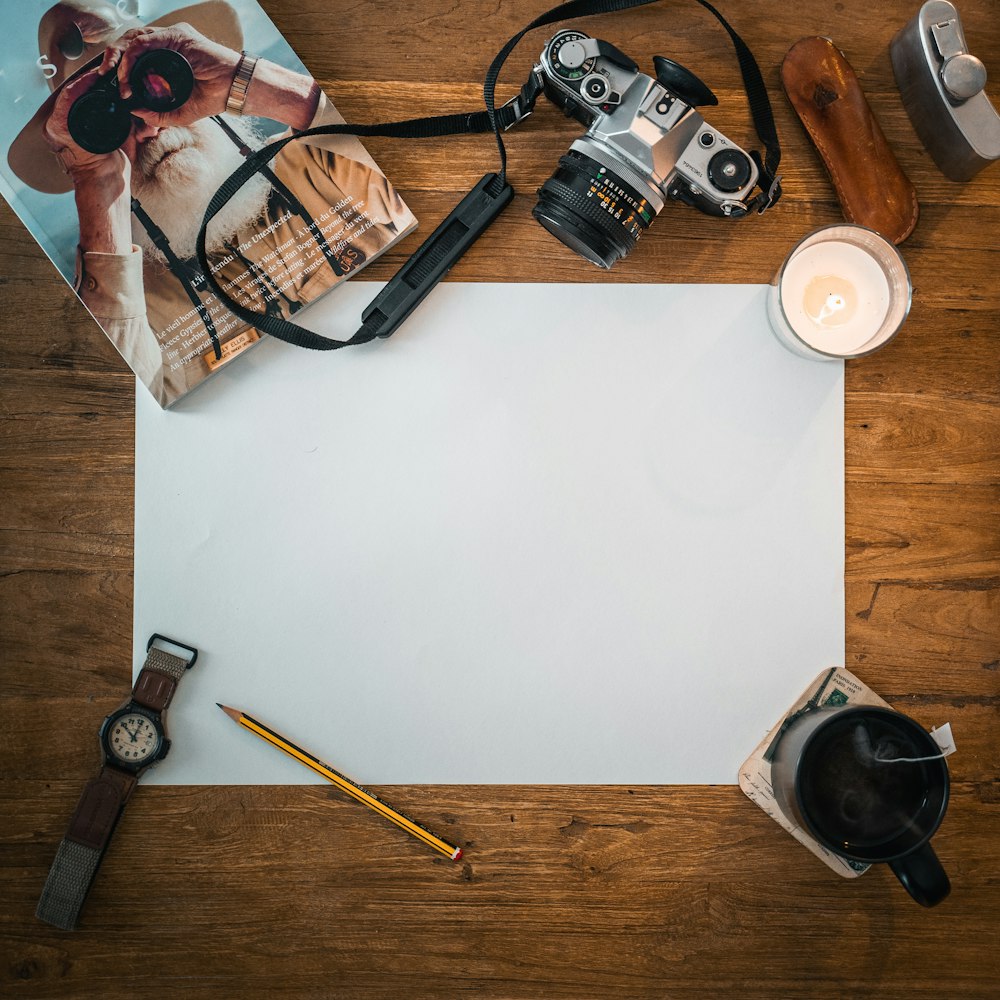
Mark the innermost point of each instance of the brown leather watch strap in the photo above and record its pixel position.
(153, 689)
(104, 797)
(158, 679)
(80, 851)
(824, 91)
(99, 807)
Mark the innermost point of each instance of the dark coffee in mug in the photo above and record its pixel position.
(867, 786)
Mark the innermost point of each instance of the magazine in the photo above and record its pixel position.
(119, 120)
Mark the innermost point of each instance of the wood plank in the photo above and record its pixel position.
(939, 636)
(926, 534)
(395, 920)
(918, 438)
(715, 250)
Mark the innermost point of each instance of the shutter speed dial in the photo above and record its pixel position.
(568, 57)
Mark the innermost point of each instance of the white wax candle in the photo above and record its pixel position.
(835, 295)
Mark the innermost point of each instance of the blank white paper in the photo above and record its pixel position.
(546, 533)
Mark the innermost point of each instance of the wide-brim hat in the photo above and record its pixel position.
(72, 36)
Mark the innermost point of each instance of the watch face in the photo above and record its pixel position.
(133, 738)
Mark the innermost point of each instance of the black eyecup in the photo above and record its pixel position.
(99, 120)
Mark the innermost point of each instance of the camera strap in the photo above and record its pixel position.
(469, 220)
(192, 280)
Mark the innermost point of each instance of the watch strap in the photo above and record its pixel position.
(241, 83)
(157, 681)
(81, 850)
(103, 800)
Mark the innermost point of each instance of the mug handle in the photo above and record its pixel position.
(922, 876)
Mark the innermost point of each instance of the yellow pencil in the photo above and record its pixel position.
(344, 783)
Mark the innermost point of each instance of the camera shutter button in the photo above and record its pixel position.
(596, 88)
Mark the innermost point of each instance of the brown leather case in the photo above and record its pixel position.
(872, 189)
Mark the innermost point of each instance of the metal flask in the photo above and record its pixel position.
(942, 85)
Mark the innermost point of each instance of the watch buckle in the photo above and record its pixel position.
(173, 642)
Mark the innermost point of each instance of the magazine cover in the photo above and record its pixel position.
(119, 119)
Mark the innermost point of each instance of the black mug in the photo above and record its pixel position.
(870, 785)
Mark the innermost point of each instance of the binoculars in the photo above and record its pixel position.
(100, 120)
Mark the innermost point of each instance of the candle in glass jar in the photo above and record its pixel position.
(835, 296)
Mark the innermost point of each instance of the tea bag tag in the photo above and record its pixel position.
(943, 738)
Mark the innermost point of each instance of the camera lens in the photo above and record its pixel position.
(729, 170)
(592, 210)
(99, 121)
(161, 80)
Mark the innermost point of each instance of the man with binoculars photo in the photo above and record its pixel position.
(144, 124)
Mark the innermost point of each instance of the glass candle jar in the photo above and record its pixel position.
(843, 292)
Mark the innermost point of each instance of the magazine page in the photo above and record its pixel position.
(119, 119)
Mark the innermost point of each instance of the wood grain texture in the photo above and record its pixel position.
(566, 893)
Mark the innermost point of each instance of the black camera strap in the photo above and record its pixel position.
(469, 220)
(285, 194)
(191, 279)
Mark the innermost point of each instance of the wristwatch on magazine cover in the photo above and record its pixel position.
(132, 739)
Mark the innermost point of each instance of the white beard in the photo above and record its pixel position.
(175, 175)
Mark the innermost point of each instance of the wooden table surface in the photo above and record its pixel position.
(565, 892)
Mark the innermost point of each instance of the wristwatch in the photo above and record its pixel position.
(241, 84)
(132, 739)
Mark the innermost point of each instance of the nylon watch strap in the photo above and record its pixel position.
(100, 807)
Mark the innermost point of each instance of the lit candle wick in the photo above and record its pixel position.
(830, 300)
(834, 303)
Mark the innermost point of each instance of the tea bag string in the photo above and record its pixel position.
(866, 746)
(907, 760)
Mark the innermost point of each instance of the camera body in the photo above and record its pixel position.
(645, 143)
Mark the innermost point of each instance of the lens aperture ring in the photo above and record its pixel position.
(591, 210)
(594, 192)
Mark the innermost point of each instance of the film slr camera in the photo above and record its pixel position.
(645, 143)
